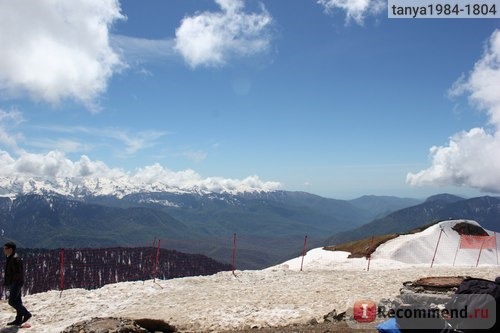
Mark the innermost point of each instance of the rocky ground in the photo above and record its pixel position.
(119, 325)
(124, 325)
(324, 327)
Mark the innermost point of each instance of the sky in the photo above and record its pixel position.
(329, 97)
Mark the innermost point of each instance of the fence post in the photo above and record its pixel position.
(303, 253)
(480, 250)
(157, 259)
(61, 278)
(151, 261)
(369, 255)
(234, 251)
(437, 245)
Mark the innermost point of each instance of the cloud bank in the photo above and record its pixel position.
(210, 38)
(55, 172)
(472, 158)
(356, 10)
(55, 49)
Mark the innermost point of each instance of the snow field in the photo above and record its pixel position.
(275, 296)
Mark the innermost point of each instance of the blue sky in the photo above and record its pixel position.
(318, 96)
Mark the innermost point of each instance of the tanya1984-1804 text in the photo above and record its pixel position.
(427, 9)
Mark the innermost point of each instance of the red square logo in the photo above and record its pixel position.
(365, 311)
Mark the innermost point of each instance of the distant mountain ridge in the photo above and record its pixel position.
(383, 205)
(444, 198)
(485, 210)
(270, 225)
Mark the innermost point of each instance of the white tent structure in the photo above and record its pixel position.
(438, 245)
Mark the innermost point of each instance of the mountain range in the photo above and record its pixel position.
(484, 210)
(269, 226)
(264, 226)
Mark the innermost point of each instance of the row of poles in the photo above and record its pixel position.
(369, 250)
(157, 258)
(303, 254)
(157, 244)
(484, 239)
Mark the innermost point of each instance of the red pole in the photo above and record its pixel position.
(369, 254)
(435, 251)
(480, 250)
(157, 259)
(61, 259)
(303, 252)
(234, 250)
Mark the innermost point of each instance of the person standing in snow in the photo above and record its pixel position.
(13, 281)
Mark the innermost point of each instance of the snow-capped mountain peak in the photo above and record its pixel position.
(124, 185)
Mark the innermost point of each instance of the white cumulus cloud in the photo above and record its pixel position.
(55, 172)
(210, 38)
(483, 83)
(472, 157)
(55, 49)
(356, 10)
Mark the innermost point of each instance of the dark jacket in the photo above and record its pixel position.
(14, 270)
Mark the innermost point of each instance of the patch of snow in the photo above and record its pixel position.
(165, 203)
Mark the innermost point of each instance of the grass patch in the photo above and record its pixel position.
(366, 246)
(363, 247)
